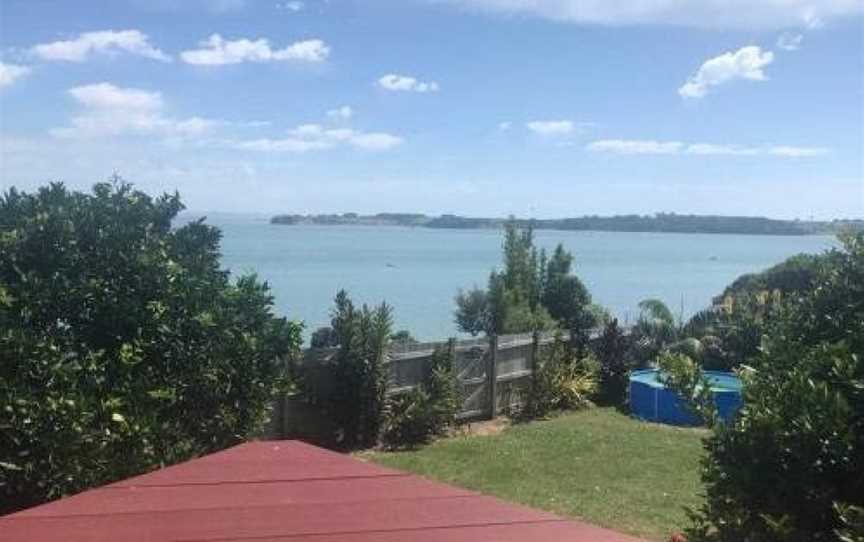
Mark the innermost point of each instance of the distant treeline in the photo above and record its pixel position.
(381, 219)
(661, 222)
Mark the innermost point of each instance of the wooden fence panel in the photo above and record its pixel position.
(470, 363)
(515, 358)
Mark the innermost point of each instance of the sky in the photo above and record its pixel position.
(543, 108)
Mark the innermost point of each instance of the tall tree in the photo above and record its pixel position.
(564, 295)
(530, 293)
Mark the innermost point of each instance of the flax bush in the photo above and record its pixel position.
(562, 380)
(417, 416)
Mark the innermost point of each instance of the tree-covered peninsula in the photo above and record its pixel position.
(660, 223)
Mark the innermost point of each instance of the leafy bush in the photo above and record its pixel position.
(798, 273)
(655, 329)
(680, 373)
(615, 365)
(324, 337)
(729, 334)
(852, 520)
(409, 419)
(351, 385)
(123, 345)
(562, 380)
(473, 312)
(417, 416)
(790, 467)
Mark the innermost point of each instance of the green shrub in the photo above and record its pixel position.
(615, 365)
(790, 467)
(683, 375)
(123, 345)
(417, 416)
(562, 380)
(653, 332)
(323, 337)
(852, 520)
(350, 386)
(729, 334)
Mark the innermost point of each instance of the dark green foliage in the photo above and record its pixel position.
(790, 467)
(356, 375)
(615, 364)
(324, 337)
(563, 379)
(123, 345)
(653, 332)
(409, 419)
(529, 294)
(680, 373)
(796, 274)
(417, 416)
(852, 521)
(403, 336)
(729, 334)
(473, 312)
(564, 295)
(731, 331)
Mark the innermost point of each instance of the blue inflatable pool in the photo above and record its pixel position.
(651, 400)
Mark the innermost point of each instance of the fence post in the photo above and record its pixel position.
(535, 350)
(493, 376)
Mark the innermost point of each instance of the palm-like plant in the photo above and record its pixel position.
(654, 330)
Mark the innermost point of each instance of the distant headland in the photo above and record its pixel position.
(660, 223)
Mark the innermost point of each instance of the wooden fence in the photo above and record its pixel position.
(493, 376)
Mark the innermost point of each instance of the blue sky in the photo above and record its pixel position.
(480, 107)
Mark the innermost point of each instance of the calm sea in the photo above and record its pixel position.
(419, 270)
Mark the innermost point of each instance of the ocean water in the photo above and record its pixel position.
(419, 270)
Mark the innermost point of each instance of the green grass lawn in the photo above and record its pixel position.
(598, 465)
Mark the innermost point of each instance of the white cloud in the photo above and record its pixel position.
(790, 41)
(798, 152)
(312, 137)
(551, 128)
(250, 123)
(634, 146)
(9, 73)
(711, 149)
(643, 146)
(340, 113)
(108, 96)
(113, 111)
(406, 83)
(504, 126)
(216, 50)
(773, 14)
(375, 141)
(745, 63)
(103, 42)
(293, 6)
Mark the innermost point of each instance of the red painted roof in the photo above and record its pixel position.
(292, 492)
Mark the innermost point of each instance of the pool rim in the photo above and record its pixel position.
(714, 389)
